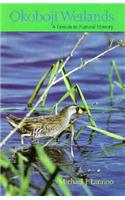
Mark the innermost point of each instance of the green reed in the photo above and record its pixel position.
(107, 133)
(19, 181)
(38, 86)
(119, 83)
(69, 86)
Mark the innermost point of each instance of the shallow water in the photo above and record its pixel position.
(26, 56)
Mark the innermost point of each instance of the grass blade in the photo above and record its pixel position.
(38, 86)
(121, 86)
(69, 86)
(24, 178)
(54, 71)
(86, 190)
(10, 189)
(116, 72)
(52, 76)
(66, 95)
(92, 122)
(111, 82)
(50, 167)
(107, 133)
(77, 134)
(104, 108)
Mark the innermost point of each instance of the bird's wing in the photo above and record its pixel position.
(36, 128)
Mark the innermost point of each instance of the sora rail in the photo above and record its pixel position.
(45, 126)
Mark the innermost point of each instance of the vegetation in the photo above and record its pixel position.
(18, 167)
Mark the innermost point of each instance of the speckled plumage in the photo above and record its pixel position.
(44, 126)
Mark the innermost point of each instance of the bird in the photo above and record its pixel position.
(45, 125)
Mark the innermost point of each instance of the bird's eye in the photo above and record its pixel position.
(80, 111)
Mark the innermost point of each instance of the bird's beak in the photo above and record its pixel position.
(80, 110)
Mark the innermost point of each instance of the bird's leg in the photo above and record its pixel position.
(72, 138)
(22, 141)
(56, 108)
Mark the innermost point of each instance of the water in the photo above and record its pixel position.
(26, 56)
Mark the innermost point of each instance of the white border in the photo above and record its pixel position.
(69, 197)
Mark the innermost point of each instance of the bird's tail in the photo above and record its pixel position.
(13, 120)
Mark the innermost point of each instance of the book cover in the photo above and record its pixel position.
(62, 99)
